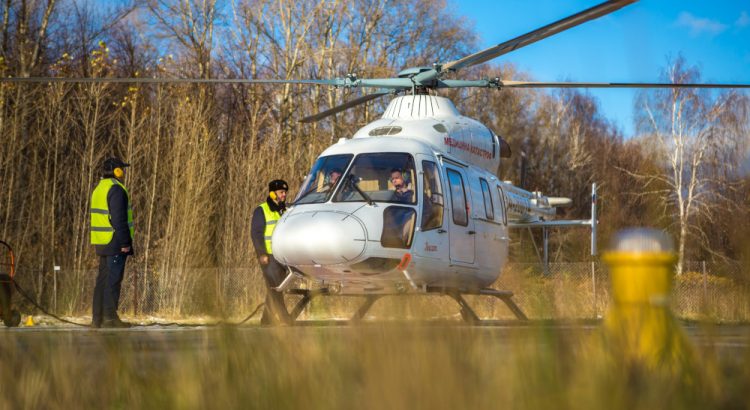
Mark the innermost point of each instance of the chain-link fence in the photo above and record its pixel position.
(171, 293)
(716, 291)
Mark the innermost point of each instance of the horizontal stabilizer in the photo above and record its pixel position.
(562, 223)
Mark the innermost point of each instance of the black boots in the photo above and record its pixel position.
(115, 323)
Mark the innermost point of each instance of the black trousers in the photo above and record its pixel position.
(107, 289)
(274, 311)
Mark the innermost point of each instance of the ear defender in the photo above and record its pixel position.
(273, 195)
(118, 172)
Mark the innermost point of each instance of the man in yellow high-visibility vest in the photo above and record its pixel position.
(112, 234)
(264, 221)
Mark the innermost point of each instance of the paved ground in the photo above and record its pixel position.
(728, 340)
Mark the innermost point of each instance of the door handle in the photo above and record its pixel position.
(471, 232)
(441, 231)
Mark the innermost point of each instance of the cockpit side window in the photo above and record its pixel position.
(325, 175)
(432, 196)
(380, 177)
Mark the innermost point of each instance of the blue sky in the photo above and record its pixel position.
(629, 45)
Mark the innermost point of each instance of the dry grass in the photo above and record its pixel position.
(399, 366)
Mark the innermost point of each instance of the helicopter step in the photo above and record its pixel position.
(467, 313)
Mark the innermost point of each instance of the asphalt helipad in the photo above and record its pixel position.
(727, 340)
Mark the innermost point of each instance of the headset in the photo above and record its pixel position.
(118, 172)
(273, 195)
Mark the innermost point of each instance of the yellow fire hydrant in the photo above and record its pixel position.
(639, 328)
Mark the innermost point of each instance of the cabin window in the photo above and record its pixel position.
(503, 209)
(323, 178)
(398, 227)
(458, 198)
(381, 177)
(432, 197)
(489, 211)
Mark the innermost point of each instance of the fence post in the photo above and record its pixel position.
(55, 269)
(705, 288)
(593, 285)
(135, 292)
(219, 304)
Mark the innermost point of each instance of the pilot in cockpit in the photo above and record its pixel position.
(333, 178)
(402, 193)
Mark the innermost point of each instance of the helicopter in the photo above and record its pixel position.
(411, 204)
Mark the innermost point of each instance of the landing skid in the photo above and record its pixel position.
(467, 313)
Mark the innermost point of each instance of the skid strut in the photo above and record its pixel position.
(307, 296)
(468, 314)
(369, 301)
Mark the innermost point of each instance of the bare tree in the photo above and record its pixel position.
(692, 131)
(31, 21)
(190, 25)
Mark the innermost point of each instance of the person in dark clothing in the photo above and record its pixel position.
(112, 234)
(265, 217)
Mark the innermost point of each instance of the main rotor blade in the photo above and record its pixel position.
(334, 82)
(568, 84)
(387, 83)
(345, 106)
(536, 35)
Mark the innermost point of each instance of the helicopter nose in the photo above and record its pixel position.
(319, 238)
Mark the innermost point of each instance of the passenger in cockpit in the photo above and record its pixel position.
(402, 193)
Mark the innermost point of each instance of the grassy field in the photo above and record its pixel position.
(388, 365)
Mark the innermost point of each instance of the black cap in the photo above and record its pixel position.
(277, 185)
(110, 164)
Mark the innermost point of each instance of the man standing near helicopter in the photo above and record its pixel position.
(112, 234)
(265, 217)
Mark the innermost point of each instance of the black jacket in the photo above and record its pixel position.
(258, 226)
(117, 202)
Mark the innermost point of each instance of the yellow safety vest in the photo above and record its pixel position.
(101, 227)
(271, 218)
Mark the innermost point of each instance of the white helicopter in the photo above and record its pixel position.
(411, 203)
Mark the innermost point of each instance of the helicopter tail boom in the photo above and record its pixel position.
(531, 219)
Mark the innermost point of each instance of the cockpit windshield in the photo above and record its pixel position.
(381, 177)
(321, 182)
